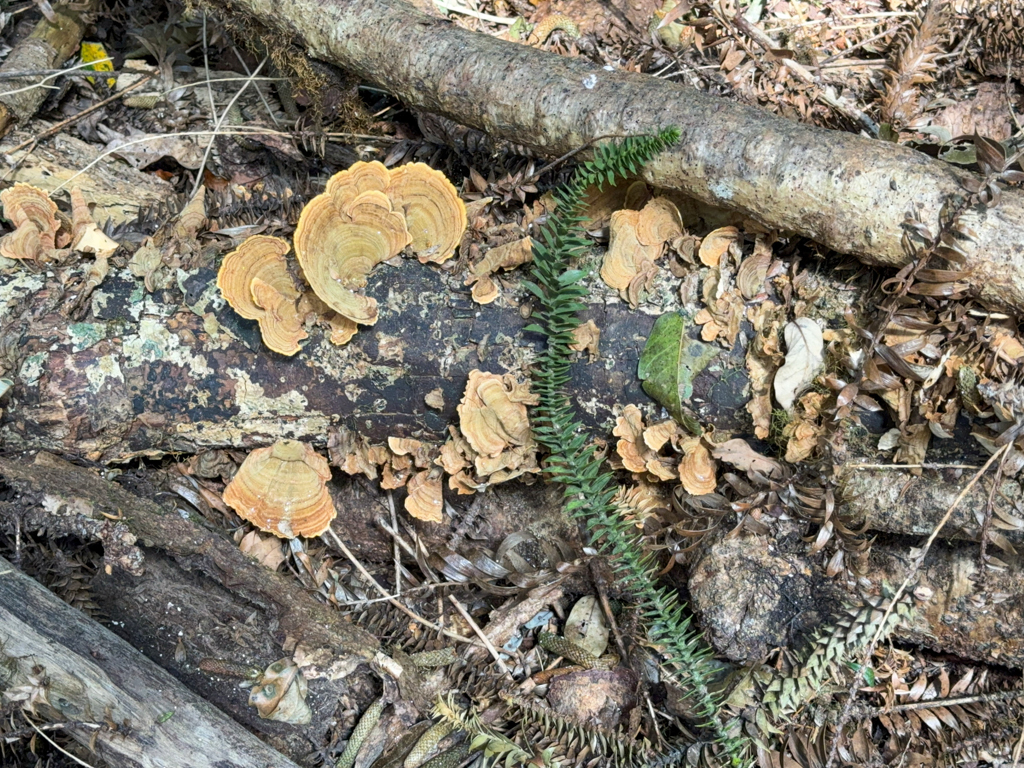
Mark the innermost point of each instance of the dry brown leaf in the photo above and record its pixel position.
(739, 453)
(265, 550)
(588, 337)
(804, 359)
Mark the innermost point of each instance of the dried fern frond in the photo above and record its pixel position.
(913, 67)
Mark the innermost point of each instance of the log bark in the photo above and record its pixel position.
(147, 376)
(49, 45)
(68, 499)
(752, 596)
(848, 193)
(95, 677)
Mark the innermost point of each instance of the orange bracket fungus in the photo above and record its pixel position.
(341, 237)
(434, 213)
(506, 257)
(255, 281)
(34, 216)
(493, 419)
(281, 489)
(636, 240)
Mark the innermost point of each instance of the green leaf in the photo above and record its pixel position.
(670, 362)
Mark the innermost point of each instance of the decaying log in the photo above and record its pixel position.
(146, 376)
(49, 45)
(752, 597)
(137, 715)
(848, 193)
(897, 501)
(62, 497)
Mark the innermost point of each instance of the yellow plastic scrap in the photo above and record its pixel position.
(96, 56)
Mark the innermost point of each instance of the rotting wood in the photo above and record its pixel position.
(146, 376)
(179, 617)
(751, 597)
(59, 496)
(143, 716)
(49, 45)
(848, 193)
(896, 501)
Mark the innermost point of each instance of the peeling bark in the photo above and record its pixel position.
(848, 193)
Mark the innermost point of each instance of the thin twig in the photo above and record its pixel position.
(858, 675)
(75, 118)
(448, 5)
(53, 743)
(394, 543)
(483, 638)
(911, 466)
(217, 128)
(12, 736)
(263, 98)
(861, 44)
(407, 611)
(206, 68)
(240, 130)
(42, 83)
(980, 698)
(986, 522)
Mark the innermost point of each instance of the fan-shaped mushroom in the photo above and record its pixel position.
(34, 216)
(360, 177)
(255, 281)
(281, 490)
(434, 213)
(339, 240)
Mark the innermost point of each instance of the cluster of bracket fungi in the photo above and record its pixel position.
(42, 233)
(365, 215)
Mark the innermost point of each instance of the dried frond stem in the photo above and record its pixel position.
(913, 67)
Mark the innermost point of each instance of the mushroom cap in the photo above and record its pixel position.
(360, 177)
(260, 257)
(659, 222)
(425, 500)
(338, 241)
(697, 470)
(281, 489)
(255, 281)
(29, 207)
(434, 213)
(281, 325)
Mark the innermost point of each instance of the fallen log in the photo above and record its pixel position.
(65, 499)
(147, 376)
(49, 45)
(114, 700)
(848, 193)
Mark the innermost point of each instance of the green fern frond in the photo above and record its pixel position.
(589, 488)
